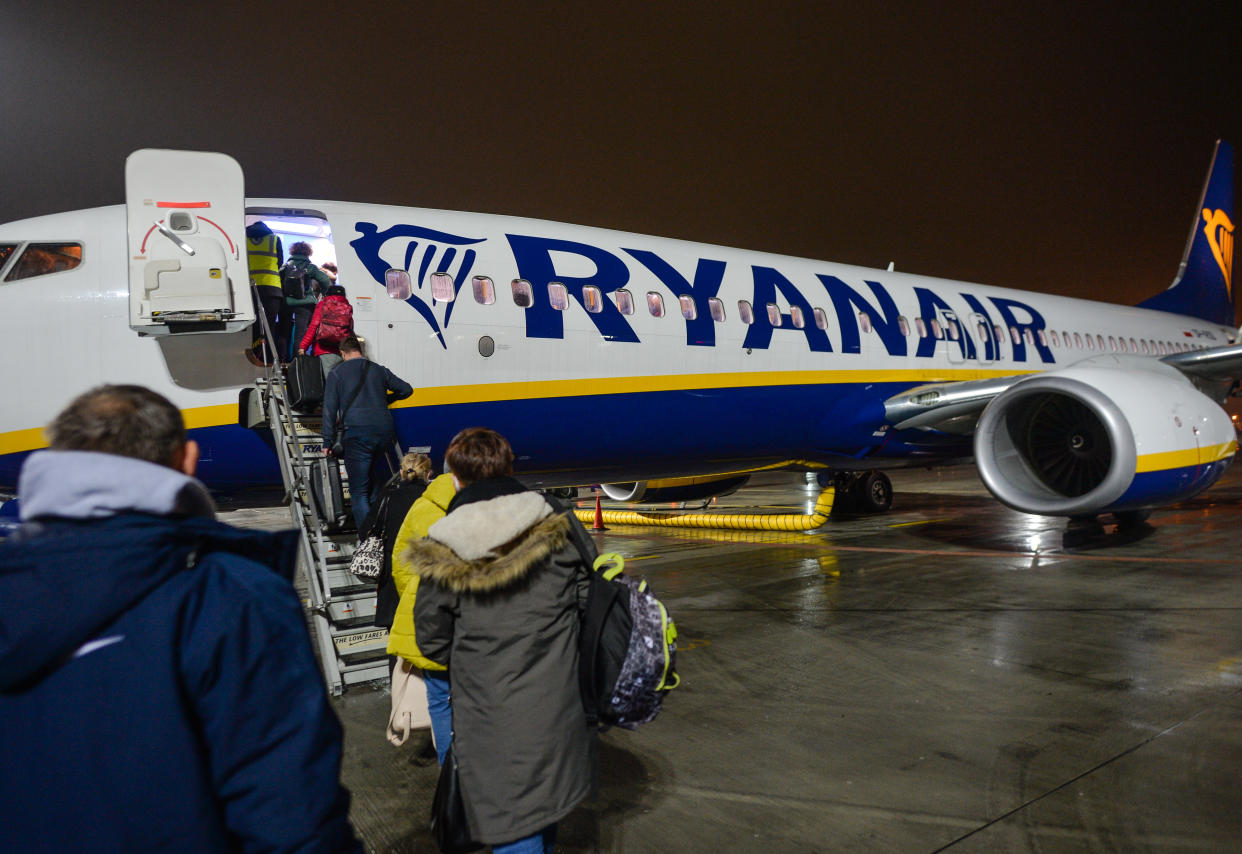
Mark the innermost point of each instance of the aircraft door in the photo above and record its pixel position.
(188, 268)
(957, 344)
(986, 349)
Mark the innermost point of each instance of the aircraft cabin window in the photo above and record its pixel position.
(1090, 342)
(745, 312)
(592, 299)
(1014, 336)
(716, 307)
(921, 325)
(864, 321)
(688, 309)
(999, 333)
(953, 330)
(903, 326)
(1112, 343)
(1056, 339)
(558, 296)
(397, 283)
(442, 287)
(774, 314)
(1030, 339)
(40, 259)
(1043, 339)
(1121, 344)
(1134, 347)
(936, 331)
(655, 304)
(1077, 340)
(484, 290)
(523, 296)
(625, 301)
(821, 319)
(795, 315)
(1099, 339)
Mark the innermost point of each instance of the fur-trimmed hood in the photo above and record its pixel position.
(489, 545)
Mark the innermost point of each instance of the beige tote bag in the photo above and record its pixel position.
(409, 702)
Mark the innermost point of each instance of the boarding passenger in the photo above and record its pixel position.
(498, 604)
(330, 269)
(301, 280)
(266, 254)
(400, 493)
(332, 323)
(356, 395)
(158, 691)
(426, 511)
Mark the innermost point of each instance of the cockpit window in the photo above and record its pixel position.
(39, 259)
(6, 249)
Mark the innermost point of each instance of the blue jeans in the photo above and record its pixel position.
(365, 465)
(539, 843)
(441, 710)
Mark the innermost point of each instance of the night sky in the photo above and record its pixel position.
(1041, 146)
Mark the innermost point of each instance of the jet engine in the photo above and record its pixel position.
(674, 489)
(1107, 434)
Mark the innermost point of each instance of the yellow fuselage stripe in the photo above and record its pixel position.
(540, 389)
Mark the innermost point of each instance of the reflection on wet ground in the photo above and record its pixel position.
(951, 676)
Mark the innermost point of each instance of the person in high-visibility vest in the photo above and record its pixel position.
(266, 256)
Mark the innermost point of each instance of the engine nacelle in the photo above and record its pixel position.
(1110, 433)
(674, 489)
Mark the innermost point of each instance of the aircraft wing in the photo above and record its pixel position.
(1218, 363)
(954, 407)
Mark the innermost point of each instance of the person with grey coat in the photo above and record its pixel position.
(499, 605)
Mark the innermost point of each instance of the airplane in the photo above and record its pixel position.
(660, 369)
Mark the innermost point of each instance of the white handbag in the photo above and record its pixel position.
(368, 559)
(409, 702)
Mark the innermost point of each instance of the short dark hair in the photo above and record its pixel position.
(328, 265)
(127, 420)
(300, 248)
(478, 453)
(351, 344)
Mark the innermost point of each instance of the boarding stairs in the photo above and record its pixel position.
(341, 607)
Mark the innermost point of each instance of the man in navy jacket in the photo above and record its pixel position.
(356, 394)
(158, 691)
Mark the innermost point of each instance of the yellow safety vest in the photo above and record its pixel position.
(264, 260)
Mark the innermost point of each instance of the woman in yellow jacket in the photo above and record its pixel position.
(427, 509)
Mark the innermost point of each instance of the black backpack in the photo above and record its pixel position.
(626, 644)
(293, 278)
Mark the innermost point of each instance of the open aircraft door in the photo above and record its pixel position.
(188, 268)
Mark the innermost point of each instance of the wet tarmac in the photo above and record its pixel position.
(950, 676)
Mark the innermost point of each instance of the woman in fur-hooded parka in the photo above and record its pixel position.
(498, 604)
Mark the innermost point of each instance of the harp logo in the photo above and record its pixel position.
(1219, 232)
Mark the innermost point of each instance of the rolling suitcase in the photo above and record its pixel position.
(305, 383)
(328, 495)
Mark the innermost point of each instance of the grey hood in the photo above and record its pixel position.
(92, 485)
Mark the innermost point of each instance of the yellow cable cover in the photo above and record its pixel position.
(726, 521)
